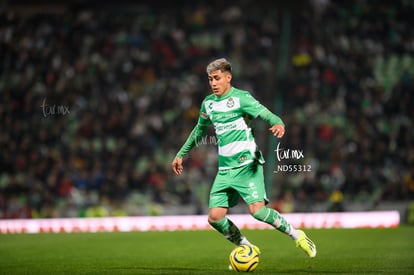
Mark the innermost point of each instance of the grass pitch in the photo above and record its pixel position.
(340, 251)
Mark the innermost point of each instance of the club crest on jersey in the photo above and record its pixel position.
(230, 102)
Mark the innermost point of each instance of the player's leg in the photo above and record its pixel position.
(218, 220)
(272, 217)
(223, 197)
(253, 191)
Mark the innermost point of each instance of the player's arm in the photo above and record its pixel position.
(278, 127)
(256, 109)
(195, 136)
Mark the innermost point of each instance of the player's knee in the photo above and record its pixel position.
(216, 214)
(212, 217)
(260, 214)
(255, 207)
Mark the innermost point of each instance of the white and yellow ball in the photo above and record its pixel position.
(244, 258)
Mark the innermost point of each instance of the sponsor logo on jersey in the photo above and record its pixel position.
(226, 115)
(226, 127)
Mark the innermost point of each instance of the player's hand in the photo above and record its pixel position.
(177, 165)
(278, 130)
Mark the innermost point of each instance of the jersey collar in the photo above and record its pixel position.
(226, 95)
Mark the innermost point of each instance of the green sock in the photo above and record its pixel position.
(230, 231)
(272, 217)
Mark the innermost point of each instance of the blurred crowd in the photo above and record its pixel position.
(95, 102)
(350, 107)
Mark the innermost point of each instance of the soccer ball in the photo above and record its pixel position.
(244, 258)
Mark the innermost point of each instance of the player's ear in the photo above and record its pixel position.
(229, 76)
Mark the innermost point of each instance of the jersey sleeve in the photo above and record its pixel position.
(251, 105)
(203, 118)
(196, 134)
(270, 117)
(254, 108)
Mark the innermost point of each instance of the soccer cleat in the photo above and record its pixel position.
(306, 244)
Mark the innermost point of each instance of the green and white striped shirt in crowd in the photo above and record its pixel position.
(231, 116)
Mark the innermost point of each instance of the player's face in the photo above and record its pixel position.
(219, 82)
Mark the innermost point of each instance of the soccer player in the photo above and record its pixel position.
(240, 162)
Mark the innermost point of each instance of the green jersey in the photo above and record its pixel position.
(231, 116)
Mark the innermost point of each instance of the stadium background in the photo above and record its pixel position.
(97, 97)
